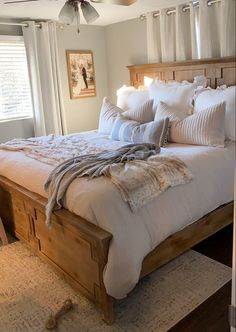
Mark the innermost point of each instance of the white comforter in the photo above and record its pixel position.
(136, 234)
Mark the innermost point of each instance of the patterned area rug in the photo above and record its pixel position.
(30, 290)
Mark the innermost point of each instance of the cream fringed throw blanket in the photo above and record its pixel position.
(137, 170)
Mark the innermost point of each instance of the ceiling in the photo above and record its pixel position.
(49, 9)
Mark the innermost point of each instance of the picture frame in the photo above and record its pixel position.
(81, 74)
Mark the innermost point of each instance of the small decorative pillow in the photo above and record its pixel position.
(203, 128)
(131, 131)
(142, 114)
(107, 117)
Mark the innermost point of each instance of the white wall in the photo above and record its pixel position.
(114, 47)
(126, 45)
(19, 128)
(82, 114)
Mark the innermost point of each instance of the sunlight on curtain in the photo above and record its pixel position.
(205, 31)
(195, 31)
(168, 39)
(209, 29)
(43, 63)
(152, 43)
(183, 34)
(228, 30)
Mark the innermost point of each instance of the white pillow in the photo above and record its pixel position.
(131, 98)
(209, 97)
(141, 114)
(202, 128)
(178, 95)
(107, 117)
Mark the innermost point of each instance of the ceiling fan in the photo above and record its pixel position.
(112, 2)
(70, 10)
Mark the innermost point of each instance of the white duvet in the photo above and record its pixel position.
(136, 234)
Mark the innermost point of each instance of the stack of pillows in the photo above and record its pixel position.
(177, 112)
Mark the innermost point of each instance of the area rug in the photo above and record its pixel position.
(30, 290)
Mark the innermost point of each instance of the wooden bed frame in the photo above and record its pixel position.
(217, 71)
(77, 248)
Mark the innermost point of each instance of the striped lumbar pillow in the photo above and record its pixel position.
(107, 117)
(203, 128)
(131, 131)
(142, 114)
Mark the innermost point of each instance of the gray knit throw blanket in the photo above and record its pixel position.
(91, 165)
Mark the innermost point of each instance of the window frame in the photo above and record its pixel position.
(17, 39)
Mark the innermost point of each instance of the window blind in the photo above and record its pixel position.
(15, 94)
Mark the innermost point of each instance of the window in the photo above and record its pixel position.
(15, 94)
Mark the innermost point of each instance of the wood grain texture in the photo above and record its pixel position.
(217, 71)
(183, 240)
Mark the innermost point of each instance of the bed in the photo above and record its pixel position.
(83, 245)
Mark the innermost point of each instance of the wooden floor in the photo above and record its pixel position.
(212, 315)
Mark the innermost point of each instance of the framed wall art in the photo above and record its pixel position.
(81, 74)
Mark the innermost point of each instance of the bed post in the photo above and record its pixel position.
(106, 301)
(108, 310)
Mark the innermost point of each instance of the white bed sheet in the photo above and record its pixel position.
(136, 234)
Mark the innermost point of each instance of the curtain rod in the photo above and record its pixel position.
(38, 25)
(19, 24)
(185, 8)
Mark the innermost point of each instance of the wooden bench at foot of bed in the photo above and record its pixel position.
(78, 249)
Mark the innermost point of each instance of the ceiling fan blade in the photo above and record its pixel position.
(115, 2)
(11, 2)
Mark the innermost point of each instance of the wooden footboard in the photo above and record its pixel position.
(75, 247)
(78, 249)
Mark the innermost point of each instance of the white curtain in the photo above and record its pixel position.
(183, 35)
(194, 28)
(152, 43)
(203, 31)
(210, 29)
(228, 30)
(43, 63)
(167, 28)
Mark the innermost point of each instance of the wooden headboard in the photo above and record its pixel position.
(218, 71)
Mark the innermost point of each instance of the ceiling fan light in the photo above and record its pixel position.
(89, 12)
(67, 13)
